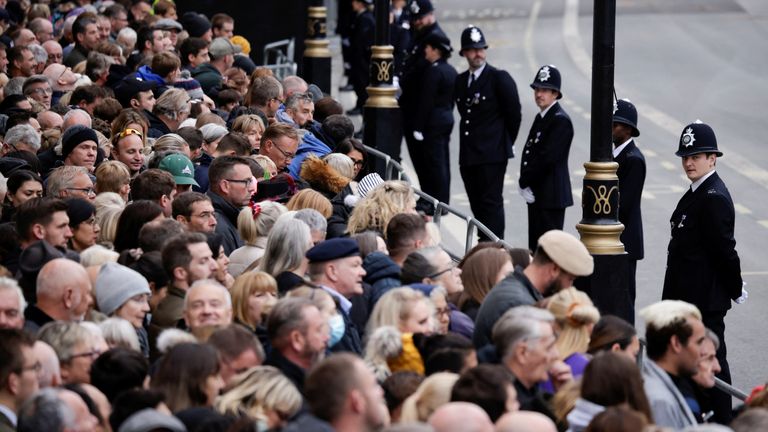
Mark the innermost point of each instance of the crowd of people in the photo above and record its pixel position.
(190, 244)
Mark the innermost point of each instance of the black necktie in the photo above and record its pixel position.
(471, 80)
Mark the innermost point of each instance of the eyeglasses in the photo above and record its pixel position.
(245, 182)
(91, 221)
(450, 268)
(446, 311)
(129, 132)
(358, 162)
(285, 154)
(87, 191)
(92, 354)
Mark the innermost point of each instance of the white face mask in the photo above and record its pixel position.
(336, 323)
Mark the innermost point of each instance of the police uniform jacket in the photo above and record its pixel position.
(703, 267)
(631, 175)
(414, 69)
(544, 160)
(361, 39)
(435, 114)
(490, 116)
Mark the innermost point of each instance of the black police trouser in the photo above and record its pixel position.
(484, 185)
(431, 161)
(632, 286)
(721, 402)
(541, 220)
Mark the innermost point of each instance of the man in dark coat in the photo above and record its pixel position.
(544, 177)
(489, 107)
(360, 40)
(231, 187)
(631, 175)
(703, 267)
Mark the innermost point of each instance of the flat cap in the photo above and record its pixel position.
(568, 252)
(333, 249)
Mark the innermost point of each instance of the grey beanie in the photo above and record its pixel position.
(116, 284)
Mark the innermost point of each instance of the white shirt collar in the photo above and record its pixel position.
(344, 302)
(695, 185)
(476, 73)
(9, 414)
(617, 151)
(545, 110)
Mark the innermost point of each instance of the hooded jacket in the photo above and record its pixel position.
(309, 145)
(381, 273)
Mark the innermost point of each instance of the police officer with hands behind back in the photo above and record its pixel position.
(489, 107)
(703, 267)
(545, 183)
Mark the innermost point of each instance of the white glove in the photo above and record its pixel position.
(744, 294)
(527, 195)
(418, 135)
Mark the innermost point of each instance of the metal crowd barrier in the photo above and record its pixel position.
(394, 171)
(280, 53)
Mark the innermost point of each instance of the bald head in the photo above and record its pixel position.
(460, 417)
(525, 421)
(63, 290)
(50, 373)
(50, 120)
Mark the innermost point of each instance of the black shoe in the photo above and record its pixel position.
(346, 88)
(355, 112)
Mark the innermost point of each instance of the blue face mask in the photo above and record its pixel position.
(337, 329)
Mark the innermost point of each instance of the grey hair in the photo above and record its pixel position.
(45, 411)
(62, 178)
(312, 218)
(97, 255)
(713, 337)
(292, 102)
(171, 337)
(517, 325)
(170, 141)
(78, 112)
(39, 52)
(127, 35)
(206, 283)
(120, 333)
(342, 163)
(63, 337)
(23, 133)
(172, 102)
(211, 132)
(14, 86)
(286, 245)
(9, 284)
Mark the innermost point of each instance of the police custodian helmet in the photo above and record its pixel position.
(472, 38)
(696, 138)
(548, 77)
(624, 112)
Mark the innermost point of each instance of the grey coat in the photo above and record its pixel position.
(668, 406)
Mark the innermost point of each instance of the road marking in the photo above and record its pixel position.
(764, 223)
(649, 153)
(528, 39)
(648, 195)
(667, 165)
(740, 209)
(572, 38)
(754, 273)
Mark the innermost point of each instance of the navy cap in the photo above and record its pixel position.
(696, 138)
(333, 249)
(419, 8)
(472, 37)
(129, 87)
(547, 77)
(624, 112)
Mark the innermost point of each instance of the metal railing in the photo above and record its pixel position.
(278, 57)
(393, 170)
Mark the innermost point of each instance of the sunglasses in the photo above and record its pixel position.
(129, 132)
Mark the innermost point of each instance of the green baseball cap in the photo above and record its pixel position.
(180, 167)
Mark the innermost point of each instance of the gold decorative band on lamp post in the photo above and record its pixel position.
(599, 228)
(316, 42)
(381, 92)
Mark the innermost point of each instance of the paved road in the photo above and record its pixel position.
(678, 62)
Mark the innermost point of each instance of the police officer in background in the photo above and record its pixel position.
(361, 35)
(489, 107)
(631, 175)
(423, 24)
(544, 182)
(434, 122)
(703, 267)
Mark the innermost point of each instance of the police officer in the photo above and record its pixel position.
(423, 24)
(434, 122)
(544, 178)
(489, 107)
(631, 175)
(360, 40)
(703, 267)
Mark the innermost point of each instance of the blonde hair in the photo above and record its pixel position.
(97, 255)
(394, 308)
(245, 122)
(380, 205)
(170, 142)
(119, 333)
(107, 217)
(258, 390)
(342, 163)
(309, 198)
(105, 199)
(251, 228)
(433, 392)
(111, 176)
(267, 164)
(246, 285)
(574, 313)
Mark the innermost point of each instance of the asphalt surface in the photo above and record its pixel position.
(678, 62)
